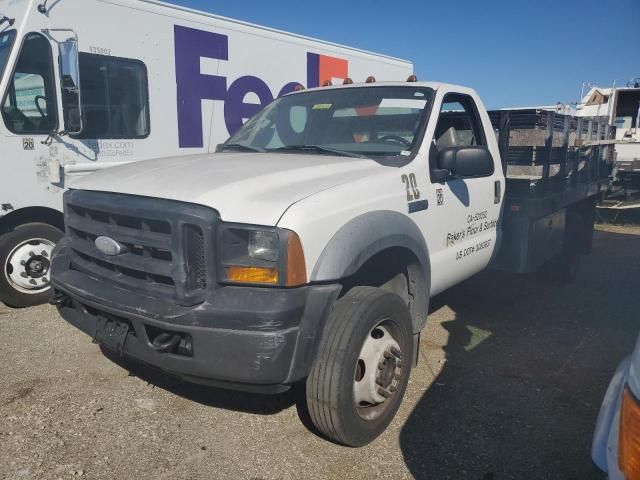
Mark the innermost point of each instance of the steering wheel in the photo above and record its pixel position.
(396, 139)
(40, 111)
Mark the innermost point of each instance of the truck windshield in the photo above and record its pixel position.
(6, 42)
(368, 121)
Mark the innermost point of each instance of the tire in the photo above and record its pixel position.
(361, 341)
(24, 264)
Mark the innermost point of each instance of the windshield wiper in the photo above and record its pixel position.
(316, 149)
(241, 147)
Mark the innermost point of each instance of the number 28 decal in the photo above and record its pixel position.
(411, 185)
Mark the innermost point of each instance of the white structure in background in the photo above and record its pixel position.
(89, 84)
(621, 107)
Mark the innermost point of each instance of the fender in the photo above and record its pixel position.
(369, 234)
(16, 217)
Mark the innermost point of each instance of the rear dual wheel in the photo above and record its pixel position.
(25, 261)
(362, 369)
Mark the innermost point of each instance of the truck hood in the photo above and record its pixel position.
(254, 188)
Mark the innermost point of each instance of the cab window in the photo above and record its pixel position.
(6, 42)
(458, 126)
(29, 105)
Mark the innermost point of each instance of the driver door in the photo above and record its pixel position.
(466, 208)
(29, 112)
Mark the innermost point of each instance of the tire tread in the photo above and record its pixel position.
(323, 394)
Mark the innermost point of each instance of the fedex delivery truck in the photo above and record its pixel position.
(89, 84)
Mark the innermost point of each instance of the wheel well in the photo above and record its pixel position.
(397, 270)
(31, 215)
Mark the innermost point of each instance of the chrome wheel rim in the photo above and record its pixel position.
(27, 266)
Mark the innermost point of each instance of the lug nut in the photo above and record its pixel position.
(388, 355)
(23, 263)
(24, 275)
(44, 253)
(379, 382)
(393, 388)
(31, 254)
(384, 393)
(396, 352)
(45, 280)
(32, 282)
(381, 365)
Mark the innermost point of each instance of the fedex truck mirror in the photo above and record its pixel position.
(192, 86)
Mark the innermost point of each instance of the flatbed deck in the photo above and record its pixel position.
(555, 168)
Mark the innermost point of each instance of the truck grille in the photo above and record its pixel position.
(167, 244)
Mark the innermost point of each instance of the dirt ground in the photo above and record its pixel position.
(512, 373)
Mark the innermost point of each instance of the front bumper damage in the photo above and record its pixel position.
(242, 338)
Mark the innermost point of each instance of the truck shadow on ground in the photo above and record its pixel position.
(205, 395)
(527, 365)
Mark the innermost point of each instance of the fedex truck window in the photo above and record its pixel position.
(115, 98)
(6, 42)
(29, 105)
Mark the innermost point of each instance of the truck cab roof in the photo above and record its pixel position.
(425, 84)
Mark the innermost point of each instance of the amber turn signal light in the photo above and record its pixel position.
(252, 275)
(629, 437)
(296, 267)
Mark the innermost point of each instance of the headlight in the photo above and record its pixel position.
(261, 256)
(263, 245)
(629, 437)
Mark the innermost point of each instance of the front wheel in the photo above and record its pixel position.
(362, 369)
(25, 259)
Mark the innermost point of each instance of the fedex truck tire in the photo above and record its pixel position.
(25, 255)
(362, 368)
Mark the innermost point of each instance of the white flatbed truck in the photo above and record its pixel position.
(307, 248)
(90, 84)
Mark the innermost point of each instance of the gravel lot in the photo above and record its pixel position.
(512, 374)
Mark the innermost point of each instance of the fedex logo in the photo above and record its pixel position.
(192, 86)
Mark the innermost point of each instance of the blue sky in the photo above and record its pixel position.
(513, 52)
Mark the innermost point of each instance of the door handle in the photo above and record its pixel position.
(497, 192)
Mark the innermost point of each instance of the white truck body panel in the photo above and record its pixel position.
(253, 65)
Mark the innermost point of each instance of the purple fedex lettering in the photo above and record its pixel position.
(191, 46)
(193, 87)
(236, 111)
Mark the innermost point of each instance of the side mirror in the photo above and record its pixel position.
(463, 162)
(70, 80)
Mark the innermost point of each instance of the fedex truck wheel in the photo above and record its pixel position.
(362, 369)
(25, 259)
